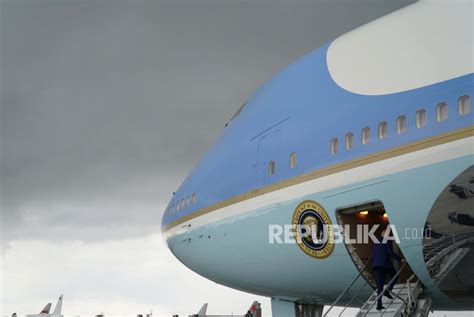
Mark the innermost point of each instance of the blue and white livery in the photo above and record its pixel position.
(378, 120)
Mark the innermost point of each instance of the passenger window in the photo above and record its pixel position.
(383, 130)
(365, 135)
(178, 206)
(464, 105)
(271, 167)
(401, 124)
(421, 118)
(182, 203)
(442, 111)
(188, 201)
(349, 140)
(194, 198)
(334, 145)
(293, 160)
(172, 208)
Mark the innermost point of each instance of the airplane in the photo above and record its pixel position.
(202, 312)
(254, 310)
(251, 312)
(374, 128)
(47, 308)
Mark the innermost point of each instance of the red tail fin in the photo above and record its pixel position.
(252, 310)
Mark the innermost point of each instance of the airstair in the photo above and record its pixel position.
(441, 256)
(407, 299)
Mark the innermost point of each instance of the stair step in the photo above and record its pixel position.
(388, 300)
(394, 307)
(378, 314)
(374, 310)
(403, 285)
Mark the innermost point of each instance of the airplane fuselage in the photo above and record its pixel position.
(314, 133)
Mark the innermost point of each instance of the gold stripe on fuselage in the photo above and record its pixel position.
(368, 159)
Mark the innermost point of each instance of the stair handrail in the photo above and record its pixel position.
(348, 287)
(397, 295)
(386, 289)
(352, 299)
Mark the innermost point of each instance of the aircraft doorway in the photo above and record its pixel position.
(357, 221)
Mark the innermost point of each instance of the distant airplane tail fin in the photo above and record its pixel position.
(252, 311)
(59, 306)
(46, 309)
(203, 310)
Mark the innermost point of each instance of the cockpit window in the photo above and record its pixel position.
(238, 111)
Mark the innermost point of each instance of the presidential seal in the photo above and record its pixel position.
(313, 229)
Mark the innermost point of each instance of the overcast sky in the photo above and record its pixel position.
(105, 107)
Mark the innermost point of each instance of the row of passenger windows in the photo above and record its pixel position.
(191, 200)
(464, 108)
(181, 204)
(272, 164)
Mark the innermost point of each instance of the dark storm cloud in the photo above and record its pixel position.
(107, 105)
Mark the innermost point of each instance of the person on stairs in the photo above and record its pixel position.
(382, 253)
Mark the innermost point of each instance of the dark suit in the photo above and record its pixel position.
(382, 253)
